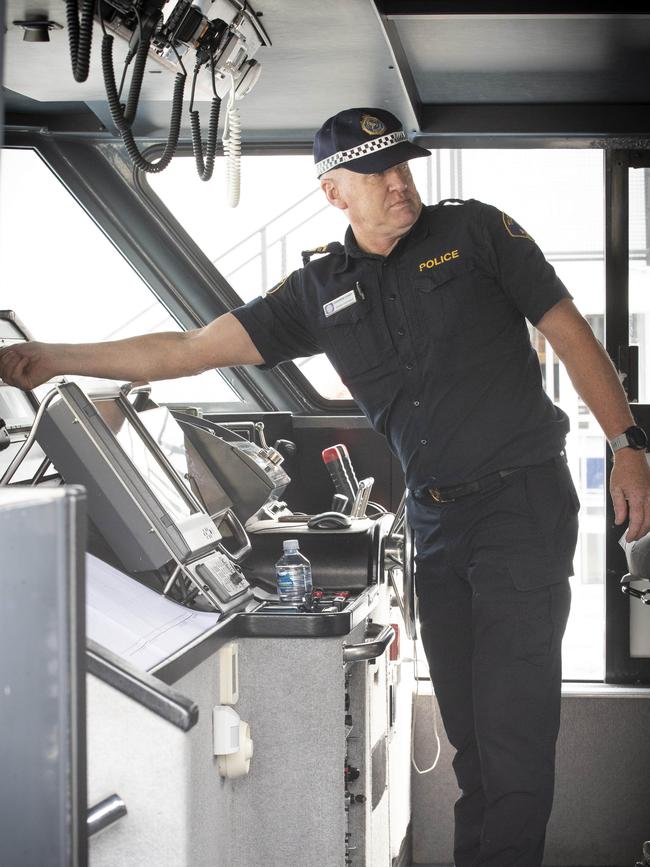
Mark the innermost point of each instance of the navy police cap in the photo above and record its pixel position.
(364, 140)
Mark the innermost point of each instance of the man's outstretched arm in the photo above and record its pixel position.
(596, 381)
(222, 343)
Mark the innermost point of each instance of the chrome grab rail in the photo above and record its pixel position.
(382, 636)
(104, 814)
(29, 442)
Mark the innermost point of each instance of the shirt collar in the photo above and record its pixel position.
(418, 231)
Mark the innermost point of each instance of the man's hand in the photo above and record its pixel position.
(27, 365)
(630, 489)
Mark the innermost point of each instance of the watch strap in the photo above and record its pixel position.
(619, 442)
(634, 437)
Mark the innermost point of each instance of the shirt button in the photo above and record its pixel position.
(424, 442)
(392, 297)
(416, 403)
(401, 332)
(409, 366)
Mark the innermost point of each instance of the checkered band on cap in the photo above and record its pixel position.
(362, 150)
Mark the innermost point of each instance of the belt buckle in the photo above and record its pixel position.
(437, 497)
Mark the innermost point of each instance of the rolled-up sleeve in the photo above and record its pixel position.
(522, 270)
(280, 323)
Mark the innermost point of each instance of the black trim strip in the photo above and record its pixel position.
(511, 8)
(142, 687)
(517, 125)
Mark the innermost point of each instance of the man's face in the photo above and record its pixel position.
(385, 203)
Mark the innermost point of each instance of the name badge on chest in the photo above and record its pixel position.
(340, 303)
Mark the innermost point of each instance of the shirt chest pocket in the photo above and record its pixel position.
(446, 302)
(356, 339)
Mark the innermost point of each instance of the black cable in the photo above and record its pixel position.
(136, 80)
(205, 161)
(205, 166)
(122, 124)
(124, 71)
(80, 36)
(129, 55)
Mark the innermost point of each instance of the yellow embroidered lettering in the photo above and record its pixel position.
(439, 260)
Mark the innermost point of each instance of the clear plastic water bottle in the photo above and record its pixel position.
(293, 573)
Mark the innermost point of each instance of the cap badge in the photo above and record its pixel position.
(372, 125)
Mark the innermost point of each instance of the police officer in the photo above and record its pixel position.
(423, 313)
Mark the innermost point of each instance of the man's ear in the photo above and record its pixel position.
(333, 193)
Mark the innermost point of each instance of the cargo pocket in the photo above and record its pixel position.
(541, 622)
(533, 569)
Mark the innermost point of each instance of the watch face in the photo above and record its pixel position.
(637, 437)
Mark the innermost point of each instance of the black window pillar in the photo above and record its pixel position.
(620, 667)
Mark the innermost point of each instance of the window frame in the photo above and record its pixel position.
(100, 178)
(292, 374)
(620, 667)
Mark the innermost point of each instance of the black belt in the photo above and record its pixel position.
(455, 492)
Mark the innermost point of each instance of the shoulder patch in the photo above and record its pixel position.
(514, 229)
(277, 286)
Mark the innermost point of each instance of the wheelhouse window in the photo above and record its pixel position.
(68, 283)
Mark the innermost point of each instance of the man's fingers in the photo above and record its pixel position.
(636, 520)
(620, 506)
(13, 368)
(8, 367)
(8, 364)
(639, 519)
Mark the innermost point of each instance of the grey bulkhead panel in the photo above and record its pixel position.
(145, 759)
(289, 810)
(42, 702)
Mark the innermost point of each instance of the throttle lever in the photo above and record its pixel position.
(270, 452)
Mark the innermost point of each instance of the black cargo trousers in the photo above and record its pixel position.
(493, 596)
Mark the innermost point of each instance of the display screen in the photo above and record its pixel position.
(15, 407)
(167, 489)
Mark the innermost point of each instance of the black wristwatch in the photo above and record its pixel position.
(634, 437)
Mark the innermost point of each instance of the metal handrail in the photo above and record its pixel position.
(29, 442)
(383, 636)
(266, 225)
(262, 234)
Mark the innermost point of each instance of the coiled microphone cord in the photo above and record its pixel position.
(80, 36)
(232, 148)
(122, 121)
(205, 162)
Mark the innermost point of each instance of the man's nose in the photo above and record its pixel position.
(396, 179)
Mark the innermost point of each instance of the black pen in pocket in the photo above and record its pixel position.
(358, 292)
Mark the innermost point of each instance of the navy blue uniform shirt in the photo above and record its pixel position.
(431, 340)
